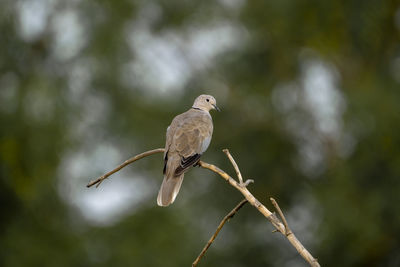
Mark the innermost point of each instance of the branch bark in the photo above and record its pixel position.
(99, 180)
(241, 187)
(221, 224)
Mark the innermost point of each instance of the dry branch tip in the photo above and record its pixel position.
(235, 166)
(222, 223)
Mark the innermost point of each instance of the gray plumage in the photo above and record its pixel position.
(187, 138)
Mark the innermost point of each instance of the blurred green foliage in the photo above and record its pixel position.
(311, 107)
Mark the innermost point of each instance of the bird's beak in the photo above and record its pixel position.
(216, 108)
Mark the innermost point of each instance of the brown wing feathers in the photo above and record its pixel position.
(187, 163)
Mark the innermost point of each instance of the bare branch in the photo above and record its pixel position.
(288, 231)
(235, 166)
(226, 219)
(252, 200)
(263, 210)
(99, 180)
(241, 187)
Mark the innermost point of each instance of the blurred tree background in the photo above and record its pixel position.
(310, 99)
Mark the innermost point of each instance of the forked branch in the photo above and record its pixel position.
(278, 209)
(240, 186)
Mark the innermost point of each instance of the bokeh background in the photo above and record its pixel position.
(310, 99)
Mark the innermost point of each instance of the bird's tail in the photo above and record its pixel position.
(169, 190)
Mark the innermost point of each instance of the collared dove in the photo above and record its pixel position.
(188, 138)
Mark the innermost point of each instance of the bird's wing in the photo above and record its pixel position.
(168, 138)
(192, 135)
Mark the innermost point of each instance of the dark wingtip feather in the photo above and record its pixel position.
(187, 163)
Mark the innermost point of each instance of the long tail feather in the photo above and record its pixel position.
(169, 190)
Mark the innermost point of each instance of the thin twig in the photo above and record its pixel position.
(288, 231)
(226, 219)
(235, 166)
(99, 180)
(242, 189)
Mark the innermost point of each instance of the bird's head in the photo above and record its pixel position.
(206, 103)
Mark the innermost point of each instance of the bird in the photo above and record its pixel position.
(187, 138)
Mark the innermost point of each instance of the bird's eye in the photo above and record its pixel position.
(208, 100)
